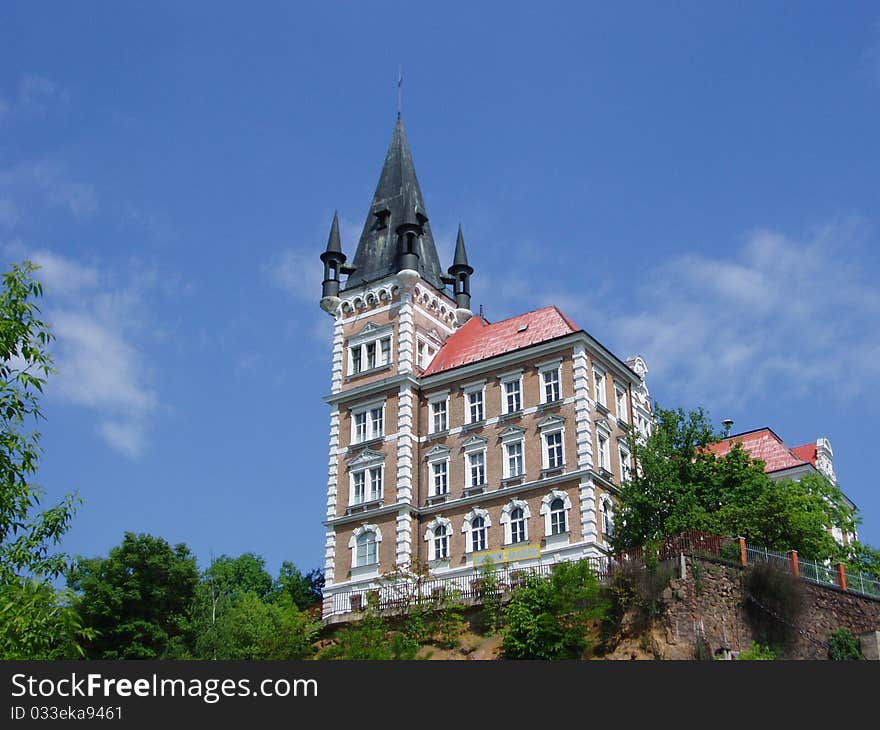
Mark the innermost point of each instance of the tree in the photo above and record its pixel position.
(27, 536)
(550, 618)
(681, 485)
(136, 600)
(305, 590)
(235, 576)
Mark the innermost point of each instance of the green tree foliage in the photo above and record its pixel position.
(681, 485)
(27, 536)
(251, 627)
(39, 622)
(136, 600)
(862, 558)
(758, 652)
(372, 638)
(551, 618)
(305, 590)
(244, 574)
(843, 646)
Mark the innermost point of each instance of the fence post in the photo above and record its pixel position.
(743, 554)
(841, 576)
(795, 564)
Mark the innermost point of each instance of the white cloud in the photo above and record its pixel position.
(62, 275)
(127, 437)
(50, 181)
(791, 314)
(36, 92)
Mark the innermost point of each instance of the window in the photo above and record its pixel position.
(437, 536)
(424, 354)
(625, 464)
(621, 402)
(369, 350)
(361, 479)
(553, 449)
(600, 393)
(475, 406)
(438, 416)
(517, 525)
(607, 518)
(513, 396)
(476, 468)
(368, 423)
(478, 534)
(514, 461)
(603, 460)
(558, 522)
(441, 543)
(367, 553)
(550, 381)
(440, 477)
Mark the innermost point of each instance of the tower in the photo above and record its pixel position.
(454, 440)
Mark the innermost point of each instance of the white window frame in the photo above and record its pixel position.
(621, 401)
(467, 529)
(607, 518)
(439, 477)
(543, 370)
(506, 511)
(372, 335)
(600, 386)
(475, 445)
(436, 399)
(367, 409)
(551, 426)
(437, 456)
(468, 391)
(505, 380)
(438, 521)
(352, 543)
(546, 513)
(506, 446)
(603, 457)
(426, 351)
(366, 464)
(625, 460)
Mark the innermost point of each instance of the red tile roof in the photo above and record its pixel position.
(807, 452)
(765, 445)
(477, 339)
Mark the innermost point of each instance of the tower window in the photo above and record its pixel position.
(366, 549)
(368, 423)
(368, 352)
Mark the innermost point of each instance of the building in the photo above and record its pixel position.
(782, 462)
(454, 439)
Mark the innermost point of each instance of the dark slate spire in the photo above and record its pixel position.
(333, 259)
(460, 273)
(397, 201)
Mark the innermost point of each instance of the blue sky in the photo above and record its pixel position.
(698, 185)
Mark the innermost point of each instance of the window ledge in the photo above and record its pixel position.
(437, 499)
(364, 506)
(441, 563)
(549, 405)
(510, 416)
(478, 489)
(473, 426)
(552, 472)
(623, 423)
(603, 472)
(511, 481)
(365, 571)
(602, 408)
(376, 441)
(437, 435)
(371, 371)
(557, 540)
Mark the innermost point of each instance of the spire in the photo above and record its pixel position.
(397, 201)
(460, 273)
(334, 245)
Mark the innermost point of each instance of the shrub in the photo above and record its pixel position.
(758, 652)
(639, 588)
(775, 601)
(550, 618)
(843, 646)
(730, 551)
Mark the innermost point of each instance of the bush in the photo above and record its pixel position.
(371, 638)
(843, 646)
(758, 652)
(775, 601)
(639, 588)
(730, 551)
(550, 618)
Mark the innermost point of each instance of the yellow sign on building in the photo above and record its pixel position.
(508, 555)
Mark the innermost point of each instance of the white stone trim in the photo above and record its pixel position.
(404, 537)
(352, 544)
(587, 499)
(466, 527)
(505, 518)
(338, 354)
(405, 445)
(430, 534)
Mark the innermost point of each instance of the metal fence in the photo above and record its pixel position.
(867, 585)
(780, 561)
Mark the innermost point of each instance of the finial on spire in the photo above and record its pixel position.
(400, 91)
(460, 273)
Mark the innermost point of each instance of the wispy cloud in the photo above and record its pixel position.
(788, 313)
(51, 182)
(35, 95)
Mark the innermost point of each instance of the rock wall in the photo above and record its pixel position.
(710, 602)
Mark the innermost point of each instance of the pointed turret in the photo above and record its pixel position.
(333, 259)
(460, 272)
(397, 202)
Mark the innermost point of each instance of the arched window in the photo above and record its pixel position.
(367, 554)
(441, 543)
(478, 534)
(517, 525)
(607, 518)
(558, 522)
